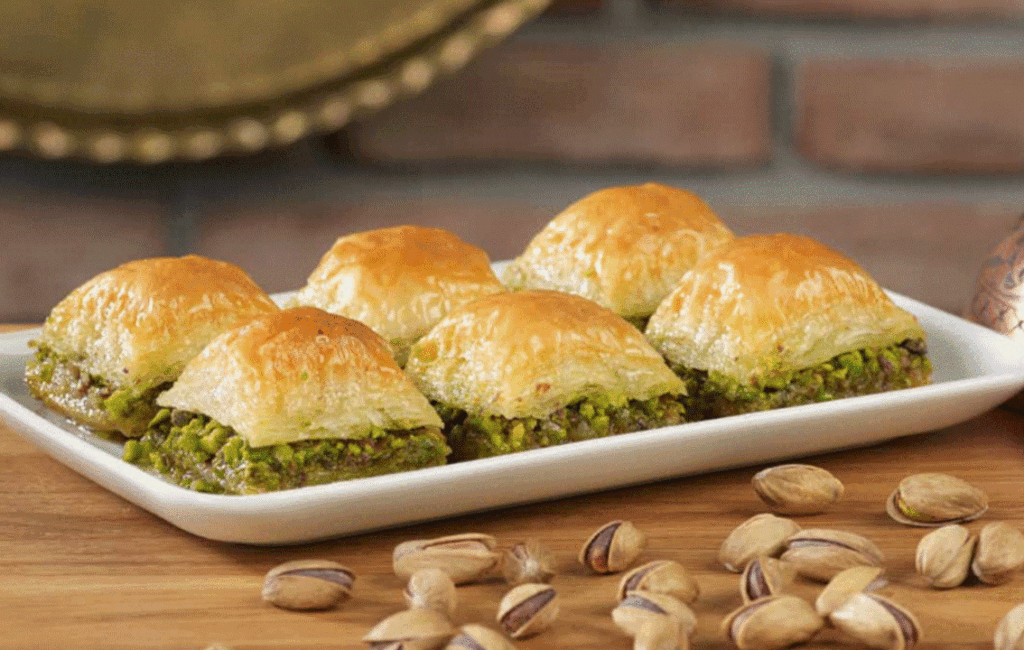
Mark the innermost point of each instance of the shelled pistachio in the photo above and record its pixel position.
(877, 622)
(308, 584)
(465, 558)
(612, 547)
(661, 577)
(528, 609)
(934, 499)
(763, 534)
(772, 623)
(820, 553)
(796, 489)
(944, 556)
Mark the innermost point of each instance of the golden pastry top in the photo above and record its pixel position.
(622, 247)
(774, 302)
(528, 353)
(139, 323)
(300, 374)
(400, 281)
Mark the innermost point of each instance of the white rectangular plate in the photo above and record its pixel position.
(975, 370)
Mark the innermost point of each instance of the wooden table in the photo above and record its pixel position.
(81, 568)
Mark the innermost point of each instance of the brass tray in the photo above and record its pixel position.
(159, 80)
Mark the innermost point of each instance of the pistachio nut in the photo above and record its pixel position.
(528, 609)
(797, 489)
(478, 637)
(999, 554)
(765, 576)
(431, 589)
(529, 561)
(661, 577)
(465, 558)
(933, 499)
(612, 547)
(852, 581)
(308, 584)
(877, 622)
(763, 534)
(944, 556)
(1009, 634)
(820, 554)
(413, 629)
(638, 607)
(772, 623)
(660, 633)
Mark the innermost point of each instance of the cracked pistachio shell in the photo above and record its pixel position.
(820, 553)
(763, 534)
(528, 609)
(413, 629)
(638, 607)
(661, 577)
(772, 623)
(660, 633)
(465, 558)
(796, 489)
(944, 556)
(1009, 634)
(431, 589)
(877, 622)
(612, 547)
(765, 576)
(852, 581)
(999, 554)
(529, 561)
(478, 637)
(308, 585)
(933, 499)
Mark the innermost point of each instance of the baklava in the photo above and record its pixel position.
(399, 281)
(622, 247)
(532, 369)
(780, 320)
(295, 398)
(114, 343)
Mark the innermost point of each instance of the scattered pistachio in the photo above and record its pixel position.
(612, 547)
(854, 580)
(465, 558)
(877, 622)
(933, 499)
(820, 554)
(797, 489)
(772, 623)
(528, 609)
(763, 534)
(944, 556)
(638, 607)
(765, 576)
(412, 629)
(1009, 634)
(431, 589)
(478, 637)
(308, 584)
(528, 562)
(661, 577)
(660, 633)
(999, 554)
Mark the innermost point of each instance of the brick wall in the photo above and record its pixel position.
(891, 129)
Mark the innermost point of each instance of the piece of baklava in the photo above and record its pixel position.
(780, 320)
(295, 398)
(622, 247)
(399, 281)
(114, 343)
(531, 369)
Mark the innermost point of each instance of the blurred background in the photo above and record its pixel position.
(890, 129)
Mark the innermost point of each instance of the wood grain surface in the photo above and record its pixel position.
(81, 568)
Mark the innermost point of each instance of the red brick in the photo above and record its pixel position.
(873, 9)
(912, 116)
(662, 104)
(51, 245)
(929, 252)
(280, 247)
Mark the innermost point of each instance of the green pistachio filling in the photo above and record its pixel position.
(480, 436)
(199, 453)
(91, 400)
(860, 372)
